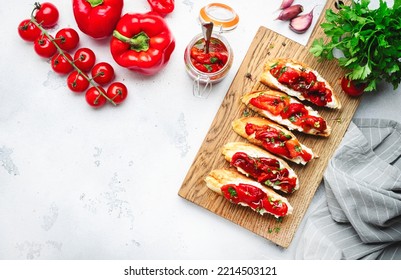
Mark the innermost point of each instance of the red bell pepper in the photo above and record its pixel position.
(97, 18)
(162, 7)
(142, 43)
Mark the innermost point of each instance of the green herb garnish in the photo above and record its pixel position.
(208, 67)
(277, 183)
(268, 183)
(369, 40)
(213, 59)
(232, 192)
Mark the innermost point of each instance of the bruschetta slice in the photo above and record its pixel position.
(299, 80)
(241, 190)
(288, 111)
(261, 165)
(273, 138)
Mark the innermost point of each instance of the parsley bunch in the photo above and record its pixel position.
(369, 39)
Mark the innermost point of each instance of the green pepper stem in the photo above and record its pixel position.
(95, 3)
(138, 43)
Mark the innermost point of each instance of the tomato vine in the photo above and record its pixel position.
(61, 52)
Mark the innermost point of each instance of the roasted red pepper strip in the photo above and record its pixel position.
(266, 171)
(97, 18)
(254, 198)
(277, 142)
(142, 43)
(162, 7)
(304, 82)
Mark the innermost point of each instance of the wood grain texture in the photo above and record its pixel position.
(266, 45)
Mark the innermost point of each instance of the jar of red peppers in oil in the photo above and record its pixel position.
(209, 67)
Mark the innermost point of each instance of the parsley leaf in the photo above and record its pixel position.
(369, 40)
(208, 67)
(213, 59)
(232, 192)
(361, 72)
(298, 148)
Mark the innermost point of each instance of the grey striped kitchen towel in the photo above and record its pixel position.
(360, 215)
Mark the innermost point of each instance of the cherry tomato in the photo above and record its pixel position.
(60, 64)
(102, 73)
(46, 15)
(352, 88)
(44, 47)
(84, 59)
(67, 39)
(117, 92)
(28, 31)
(94, 97)
(77, 82)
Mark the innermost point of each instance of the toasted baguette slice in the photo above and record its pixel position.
(235, 187)
(285, 110)
(273, 138)
(262, 166)
(268, 79)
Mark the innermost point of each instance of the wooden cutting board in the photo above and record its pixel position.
(266, 45)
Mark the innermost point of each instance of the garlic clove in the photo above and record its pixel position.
(286, 4)
(301, 24)
(290, 12)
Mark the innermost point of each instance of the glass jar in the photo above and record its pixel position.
(211, 71)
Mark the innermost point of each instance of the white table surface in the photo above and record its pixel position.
(79, 183)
